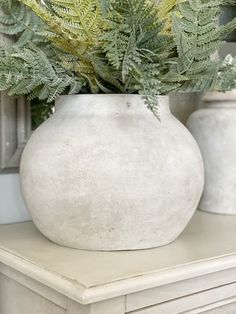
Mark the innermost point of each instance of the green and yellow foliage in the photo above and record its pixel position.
(166, 8)
(111, 46)
(198, 37)
(226, 78)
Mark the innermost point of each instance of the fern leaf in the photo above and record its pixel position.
(28, 71)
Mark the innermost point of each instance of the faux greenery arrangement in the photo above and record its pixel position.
(113, 46)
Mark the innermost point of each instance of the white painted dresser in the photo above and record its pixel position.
(195, 274)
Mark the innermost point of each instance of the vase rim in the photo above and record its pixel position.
(120, 100)
(220, 96)
(221, 105)
(110, 95)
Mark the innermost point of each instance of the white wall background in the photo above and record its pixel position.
(12, 207)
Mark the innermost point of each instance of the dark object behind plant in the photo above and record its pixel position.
(227, 15)
(40, 112)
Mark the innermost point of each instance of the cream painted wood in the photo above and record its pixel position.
(116, 306)
(182, 305)
(226, 309)
(195, 274)
(206, 246)
(76, 308)
(112, 306)
(227, 306)
(34, 286)
(16, 299)
(178, 290)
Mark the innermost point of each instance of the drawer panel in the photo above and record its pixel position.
(225, 309)
(191, 302)
(227, 306)
(180, 289)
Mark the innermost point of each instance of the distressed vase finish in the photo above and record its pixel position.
(214, 128)
(104, 174)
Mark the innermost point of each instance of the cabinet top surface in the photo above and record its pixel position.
(207, 245)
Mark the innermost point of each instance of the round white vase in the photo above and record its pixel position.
(214, 128)
(104, 174)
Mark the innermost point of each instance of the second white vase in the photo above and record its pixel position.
(214, 128)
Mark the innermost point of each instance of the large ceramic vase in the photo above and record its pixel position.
(214, 128)
(103, 173)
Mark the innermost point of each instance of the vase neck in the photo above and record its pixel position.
(108, 103)
(220, 99)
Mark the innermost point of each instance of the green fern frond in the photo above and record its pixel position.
(166, 8)
(198, 36)
(113, 46)
(226, 79)
(75, 27)
(136, 45)
(21, 22)
(71, 23)
(28, 71)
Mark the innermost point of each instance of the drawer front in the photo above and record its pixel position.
(227, 306)
(181, 289)
(195, 303)
(225, 309)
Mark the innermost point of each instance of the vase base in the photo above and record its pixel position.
(112, 247)
(218, 212)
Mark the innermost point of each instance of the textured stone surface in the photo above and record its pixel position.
(104, 174)
(214, 129)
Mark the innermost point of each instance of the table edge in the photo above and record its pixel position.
(87, 295)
